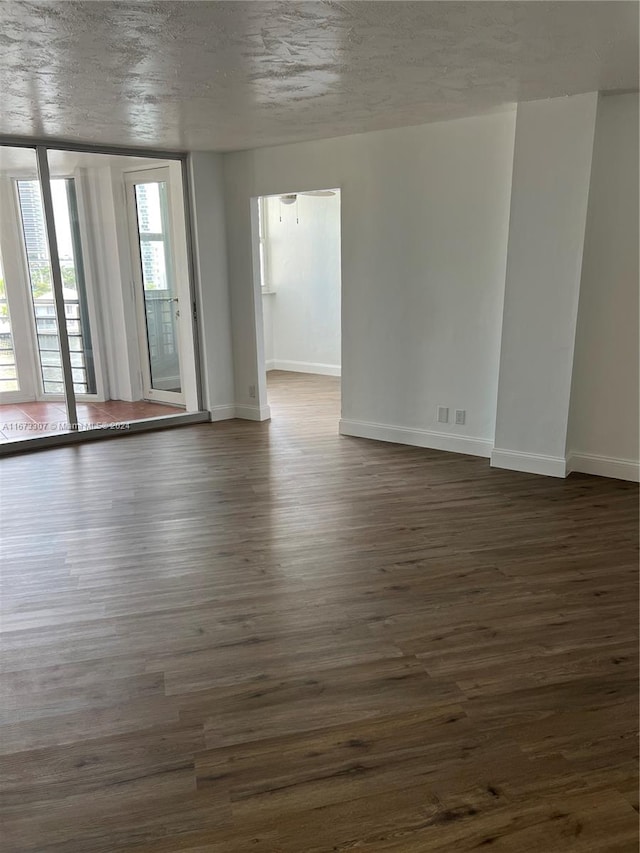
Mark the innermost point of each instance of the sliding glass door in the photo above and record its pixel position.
(41, 285)
(31, 373)
(96, 305)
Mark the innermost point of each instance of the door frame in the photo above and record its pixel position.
(155, 174)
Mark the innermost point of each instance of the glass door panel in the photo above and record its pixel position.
(157, 283)
(71, 266)
(32, 387)
(8, 365)
(36, 250)
(65, 211)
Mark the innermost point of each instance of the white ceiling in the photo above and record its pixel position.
(232, 75)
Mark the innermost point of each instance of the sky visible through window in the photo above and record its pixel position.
(61, 218)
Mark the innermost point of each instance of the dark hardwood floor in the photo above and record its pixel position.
(265, 637)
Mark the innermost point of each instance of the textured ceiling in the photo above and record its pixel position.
(231, 75)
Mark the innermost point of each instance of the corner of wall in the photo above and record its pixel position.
(553, 156)
(602, 436)
(529, 463)
(604, 466)
(209, 246)
(253, 413)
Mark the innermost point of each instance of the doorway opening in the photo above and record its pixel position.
(298, 254)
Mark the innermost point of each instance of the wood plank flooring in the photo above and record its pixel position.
(265, 637)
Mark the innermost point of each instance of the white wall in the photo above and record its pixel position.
(465, 246)
(603, 427)
(209, 237)
(425, 214)
(302, 317)
(551, 172)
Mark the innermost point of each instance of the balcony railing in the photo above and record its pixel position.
(161, 323)
(49, 347)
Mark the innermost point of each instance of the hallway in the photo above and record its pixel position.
(265, 636)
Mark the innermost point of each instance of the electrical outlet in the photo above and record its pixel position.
(443, 415)
(460, 416)
(252, 391)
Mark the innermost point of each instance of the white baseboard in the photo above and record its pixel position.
(529, 463)
(417, 437)
(253, 413)
(604, 466)
(223, 413)
(303, 367)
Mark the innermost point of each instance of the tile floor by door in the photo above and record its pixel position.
(22, 421)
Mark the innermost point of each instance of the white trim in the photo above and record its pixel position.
(223, 413)
(18, 288)
(529, 463)
(253, 413)
(604, 466)
(416, 437)
(303, 367)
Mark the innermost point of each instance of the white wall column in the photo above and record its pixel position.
(549, 197)
(208, 226)
(603, 420)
